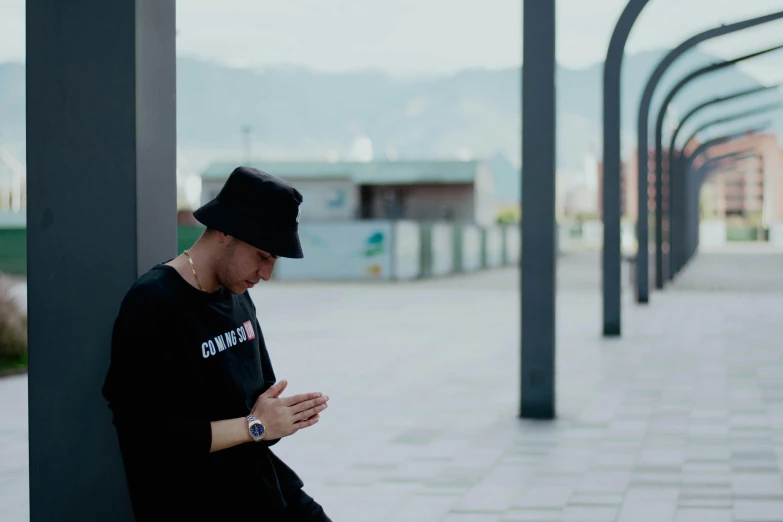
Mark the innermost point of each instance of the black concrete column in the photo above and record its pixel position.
(538, 211)
(101, 162)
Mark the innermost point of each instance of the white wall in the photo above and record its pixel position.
(494, 246)
(627, 237)
(328, 199)
(484, 197)
(513, 241)
(407, 250)
(776, 234)
(341, 250)
(593, 234)
(471, 248)
(712, 233)
(442, 249)
(13, 220)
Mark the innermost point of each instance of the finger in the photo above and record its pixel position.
(310, 413)
(296, 399)
(306, 405)
(306, 423)
(276, 389)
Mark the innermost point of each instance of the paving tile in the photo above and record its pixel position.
(704, 515)
(419, 508)
(589, 513)
(542, 497)
(487, 498)
(646, 512)
(605, 482)
(758, 511)
(743, 484)
(659, 425)
(532, 515)
(469, 517)
(596, 499)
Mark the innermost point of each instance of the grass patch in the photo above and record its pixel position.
(13, 364)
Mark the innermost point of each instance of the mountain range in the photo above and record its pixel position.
(295, 113)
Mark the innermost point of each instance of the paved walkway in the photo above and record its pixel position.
(681, 419)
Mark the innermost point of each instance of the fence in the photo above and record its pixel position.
(373, 249)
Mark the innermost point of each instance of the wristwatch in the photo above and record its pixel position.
(257, 430)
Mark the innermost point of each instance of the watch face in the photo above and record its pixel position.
(256, 430)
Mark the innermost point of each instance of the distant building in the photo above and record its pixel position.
(750, 185)
(753, 184)
(628, 184)
(458, 191)
(577, 190)
(580, 201)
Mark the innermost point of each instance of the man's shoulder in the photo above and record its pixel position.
(151, 289)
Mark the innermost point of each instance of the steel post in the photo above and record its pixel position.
(539, 256)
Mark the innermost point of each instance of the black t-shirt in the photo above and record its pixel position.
(182, 358)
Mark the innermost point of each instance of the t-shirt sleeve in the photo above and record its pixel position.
(161, 430)
(150, 377)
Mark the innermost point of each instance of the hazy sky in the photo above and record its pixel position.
(407, 37)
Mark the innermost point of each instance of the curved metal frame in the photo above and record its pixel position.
(697, 190)
(710, 103)
(699, 177)
(642, 258)
(688, 234)
(611, 181)
(678, 202)
(659, 214)
(701, 149)
(730, 118)
(704, 170)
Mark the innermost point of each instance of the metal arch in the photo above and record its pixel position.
(690, 228)
(690, 159)
(703, 171)
(677, 201)
(611, 156)
(709, 167)
(674, 157)
(709, 69)
(715, 101)
(726, 119)
(642, 258)
(699, 181)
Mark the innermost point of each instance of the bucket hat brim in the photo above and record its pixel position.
(281, 241)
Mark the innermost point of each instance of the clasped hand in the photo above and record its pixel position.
(284, 416)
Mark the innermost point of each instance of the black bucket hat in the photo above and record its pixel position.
(259, 209)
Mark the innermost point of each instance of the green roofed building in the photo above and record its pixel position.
(450, 190)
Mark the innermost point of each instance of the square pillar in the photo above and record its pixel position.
(101, 167)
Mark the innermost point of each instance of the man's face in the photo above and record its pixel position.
(241, 266)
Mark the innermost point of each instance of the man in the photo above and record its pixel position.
(191, 386)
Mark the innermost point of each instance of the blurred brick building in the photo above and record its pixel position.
(751, 185)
